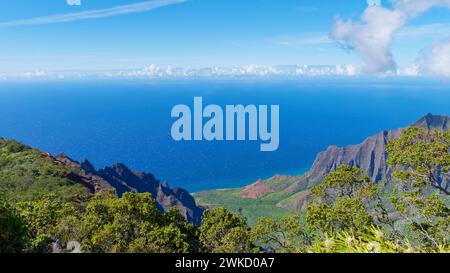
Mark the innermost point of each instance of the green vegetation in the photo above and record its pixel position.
(286, 235)
(25, 174)
(222, 231)
(251, 209)
(346, 200)
(134, 224)
(420, 159)
(48, 219)
(13, 230)
(373, 240)
(107, 224)
(276, 197)
(347, 212)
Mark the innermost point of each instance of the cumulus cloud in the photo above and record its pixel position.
(371, 36)
(92, 14)
(410, 71)
(36, 74)
(155, 71)
(436, 59)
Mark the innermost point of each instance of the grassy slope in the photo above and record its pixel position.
(252, 209)
(26, 175)
(267, 205)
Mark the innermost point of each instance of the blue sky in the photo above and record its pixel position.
(194, 33)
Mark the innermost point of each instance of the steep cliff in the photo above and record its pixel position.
(292, 192)
(123, 179)
(369, 155)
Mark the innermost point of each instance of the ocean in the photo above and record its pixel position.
(128, 121)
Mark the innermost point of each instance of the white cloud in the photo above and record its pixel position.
(436, 59)
(92, 14)
(410, 71)
(313, 39)
(371, 37)
(36, 74)
(318, 71)
(155, 71)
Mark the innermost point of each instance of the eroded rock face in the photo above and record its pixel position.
(370, 155)
(123, 179)
(431, 121)
(94, 183)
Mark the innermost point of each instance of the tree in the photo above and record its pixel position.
(286, 235)
(345, 181)
(133, 223)
(346, 199)
(188, 229)
(420, 159)
(225, 232)
(13, 230)
(175, 235)
(48, 220)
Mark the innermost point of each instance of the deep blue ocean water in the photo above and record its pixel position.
(129, 121)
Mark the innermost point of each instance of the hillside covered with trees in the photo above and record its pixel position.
(41, 210)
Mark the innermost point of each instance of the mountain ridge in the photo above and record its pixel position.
(27, 174)
(123, 179)
(369, 155)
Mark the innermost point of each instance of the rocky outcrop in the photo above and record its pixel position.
(122, 179)
(94, 183)
(431, 121)
(370, 155)
(125, 180)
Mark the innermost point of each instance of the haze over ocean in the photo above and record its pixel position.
(129, 121)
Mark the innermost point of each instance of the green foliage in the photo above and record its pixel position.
(251, 209)
(13, 230)
(38, 212)
(372, 240)
(420, 159)
(134, 224)
(345, 181)
(225, 232)
(345, 214)
(286, 235)
(48, 220)
(109, 224)
(26, 175)
(346, 200)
